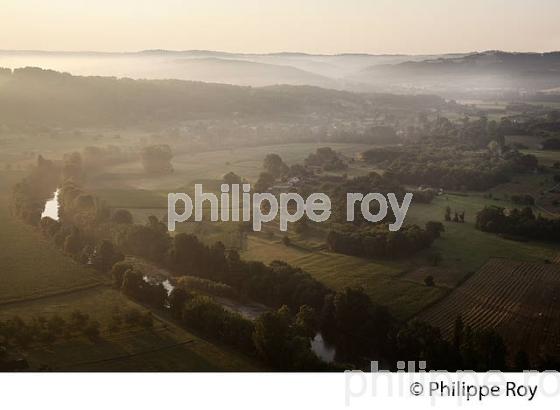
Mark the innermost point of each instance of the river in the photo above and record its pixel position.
(252, 311)
(51, 207)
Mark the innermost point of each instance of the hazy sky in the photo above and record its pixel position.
(318, 26)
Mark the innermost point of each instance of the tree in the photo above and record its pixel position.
(91, 330)
(286, 240)
(274, 165)
(105, 256)
(434, 228)
(458, 329)
(521, 361)
(122, 216)
(429, 281)
(306, 321)
(483, 350)
(417, 341)
(177, 299)
(132, 283)
(118, 271)
(271, 337)
(301, 226)
(447, 214)
(361, 327)
(265, 181)
(74, 242)
(73, 168)
(327, 159)
(231, 178)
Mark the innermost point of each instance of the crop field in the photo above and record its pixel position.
(164, 347)
(383, 281)
(518, 299)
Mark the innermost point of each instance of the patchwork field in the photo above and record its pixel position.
(400, 285)
(518, 299)
(383, 281)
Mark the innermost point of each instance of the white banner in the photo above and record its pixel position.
(282, 391)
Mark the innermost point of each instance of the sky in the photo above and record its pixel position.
(313, 26)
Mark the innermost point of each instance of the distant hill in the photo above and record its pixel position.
(32, 96)
(240, 72)
(490, 71)
(210, 66)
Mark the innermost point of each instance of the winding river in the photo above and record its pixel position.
(249, 311)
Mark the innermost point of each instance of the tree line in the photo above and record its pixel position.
(520, 223)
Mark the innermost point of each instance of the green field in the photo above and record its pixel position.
(462, 245)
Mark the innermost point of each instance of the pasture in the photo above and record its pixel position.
(465, 248)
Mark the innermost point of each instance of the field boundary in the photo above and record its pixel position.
(55, 294)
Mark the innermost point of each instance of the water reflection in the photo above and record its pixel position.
(322, 349)
(168, 286)
(51, 207)
(154, 280)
